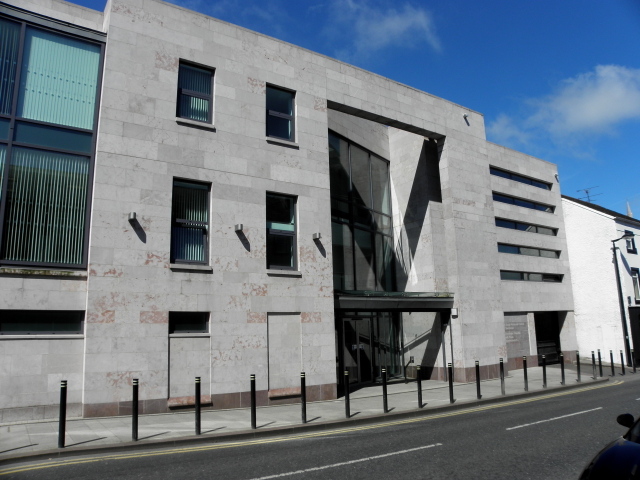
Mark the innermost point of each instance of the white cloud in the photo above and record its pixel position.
(504, 131)
(366, 27)
(591, 103)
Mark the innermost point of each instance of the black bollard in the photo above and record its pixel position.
(450, 370)
(62, 422)
(134, 410)
(303, 397)
(478, 380)
(561, 368)
(622, 363)
(544, 371)
(502, 377)
(526, 375)
(253, 402)
(419, 381)
(579, 380)
(633, 361)
(593, 361)
(613, 372)
(600, 364)
(198, 429)
(385, 405)
(347, 406)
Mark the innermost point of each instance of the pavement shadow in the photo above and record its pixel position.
(214, 430)
(18, 448)
(354, 414)
(313, 419)
(266, 424)
(155, 435)
(86, 441)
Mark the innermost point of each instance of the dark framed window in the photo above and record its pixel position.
(188, 322)
(361, 221)
(533, 252)
(41, 322)
(635, 278)
(631, 243)
(190, 222)
(519, 178)
(280, 113)
(499, 197)
(525, 227)
(49, 93)
(195, 93)
(281, 232)
(530, 277)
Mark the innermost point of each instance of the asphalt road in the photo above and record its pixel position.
(551, 438)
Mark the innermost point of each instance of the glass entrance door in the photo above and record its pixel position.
(357, 350)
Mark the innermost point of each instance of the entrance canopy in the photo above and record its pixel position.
(392, 301)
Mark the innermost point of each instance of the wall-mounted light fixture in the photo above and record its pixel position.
(454, 312)
(317, 236)
(238, 227)
(466, 115)
(132, 217)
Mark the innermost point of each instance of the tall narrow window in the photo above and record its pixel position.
(49, 84)
(635, 277)
(631, 243)
(190, 223)
(195, 93)
(281, 232)
(280, 114)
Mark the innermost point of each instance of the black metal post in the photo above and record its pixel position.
(198, 424)
(303, 397)
(622, 363)
(502, 377)
(633, 361)
(625, 332)
(579, 380)
(347, 405)
(62, 422)
(385, 405)
(253, 402)
(593, 361)
(478, 380)
(526, 375)
(561, 368)
(613, 372)
(600, 364)
(419, 381)
(134, 410)
(544, 371)
(450, 371)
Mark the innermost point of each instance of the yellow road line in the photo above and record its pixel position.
(125, 456)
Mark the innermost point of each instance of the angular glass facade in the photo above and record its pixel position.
(47, 136)
(361, 218)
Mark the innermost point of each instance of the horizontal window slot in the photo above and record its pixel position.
(530, 251)
(530, 276)
(525, 227)
(499, 197)
(519, 178)
(41, 322)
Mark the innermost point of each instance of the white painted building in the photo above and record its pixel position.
(591, 230)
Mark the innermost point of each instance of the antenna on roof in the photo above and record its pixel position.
(587, 191)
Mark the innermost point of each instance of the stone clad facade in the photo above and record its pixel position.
(273, 323)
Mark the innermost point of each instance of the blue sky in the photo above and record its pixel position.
(559, 80)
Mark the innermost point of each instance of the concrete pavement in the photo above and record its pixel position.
(85, 435)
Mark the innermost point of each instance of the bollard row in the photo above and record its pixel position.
(303, 393)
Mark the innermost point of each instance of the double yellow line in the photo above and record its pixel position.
(125, 456)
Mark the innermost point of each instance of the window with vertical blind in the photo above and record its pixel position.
(195, 93)
(190, 223)
(49, 90)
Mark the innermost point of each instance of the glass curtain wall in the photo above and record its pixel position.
(361, 218)
(46, 141)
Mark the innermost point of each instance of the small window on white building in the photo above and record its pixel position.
(631, 243)
(635, 276)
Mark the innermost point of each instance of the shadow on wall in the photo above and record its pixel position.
(425, 189)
